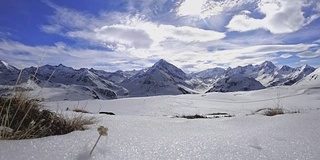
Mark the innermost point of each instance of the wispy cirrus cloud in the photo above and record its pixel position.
(21, 56)
(309, 54)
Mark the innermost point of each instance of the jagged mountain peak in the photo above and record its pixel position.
(162, 64)
(3, 64)
(57, 69)
(161, 61)
(285, 68)
(84, 70)
(61, 65)
(7, 66)
(118, 71)
(168, 68)
(305, 67)
(267, 65)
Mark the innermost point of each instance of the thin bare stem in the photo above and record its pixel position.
(95, 144)
(45, 83)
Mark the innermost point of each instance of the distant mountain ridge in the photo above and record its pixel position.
(162, 78)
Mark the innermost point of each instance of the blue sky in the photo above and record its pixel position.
(133, 34)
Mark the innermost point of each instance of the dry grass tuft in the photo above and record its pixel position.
(273, 111)
(196, 116)
(207, 116)
(80, 110)
(23, 118)
(269, 111)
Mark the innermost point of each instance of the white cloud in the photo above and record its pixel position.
(189, 34)
(309, 54)
(286, 55)
(68, 18)
(191, 7)
(4, 35)
(243, 23)
(60, 45)
(144, 35)
(55, 28)
(317, 41)
(281, 16)
(122, 34)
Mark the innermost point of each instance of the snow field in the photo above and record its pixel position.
(291, 136)
(144, 128)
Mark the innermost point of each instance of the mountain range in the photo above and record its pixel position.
(162, 78)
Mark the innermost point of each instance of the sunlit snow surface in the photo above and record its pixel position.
(143, 128)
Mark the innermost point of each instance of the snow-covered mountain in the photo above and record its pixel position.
(269, 75)
(298, 74)
(236, 82)
(161, 79)
(82, 80)
(266, 73)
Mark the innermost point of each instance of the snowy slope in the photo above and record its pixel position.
(143, 129)
(312, 79)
